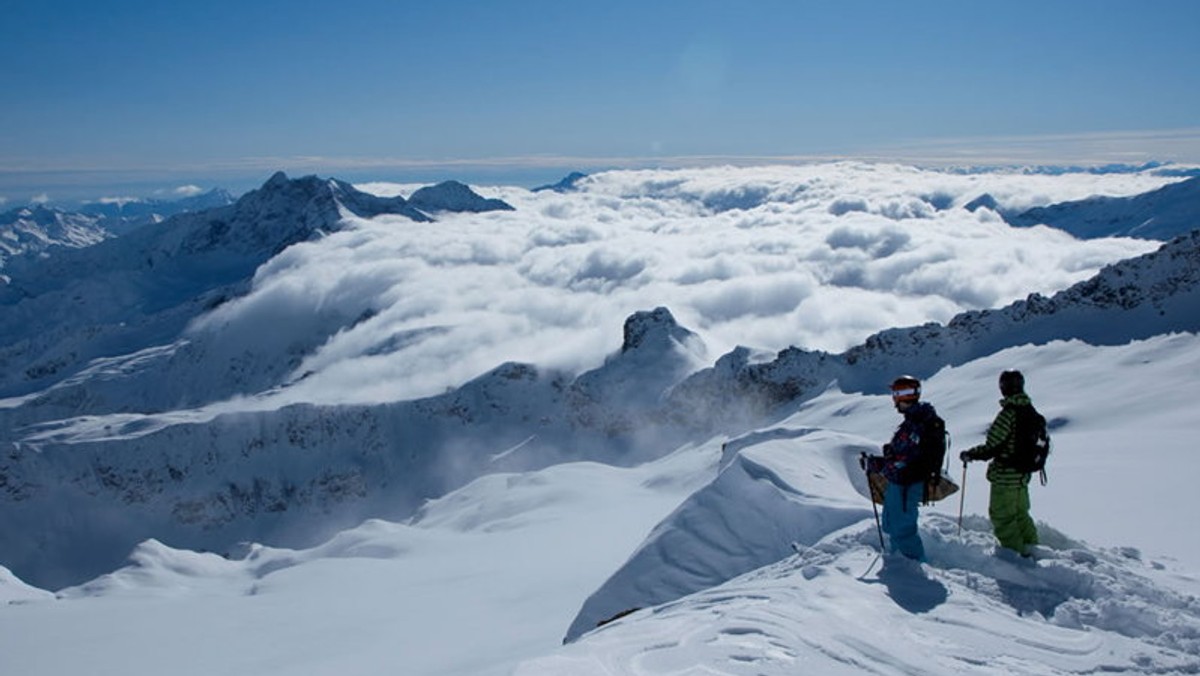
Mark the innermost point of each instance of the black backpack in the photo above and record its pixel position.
(1031, 442)
(933, 447)
(934, 442)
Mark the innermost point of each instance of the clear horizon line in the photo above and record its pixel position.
(1131, 147)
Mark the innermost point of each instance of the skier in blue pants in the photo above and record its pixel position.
(900, 505)
(906, 464)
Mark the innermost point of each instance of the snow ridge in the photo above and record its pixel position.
(1165, 213)
(719, 568)
(718, 533)
(826, 610)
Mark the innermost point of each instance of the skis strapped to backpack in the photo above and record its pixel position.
(935, 440)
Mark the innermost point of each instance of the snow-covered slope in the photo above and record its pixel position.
(503, 564)
(468, 587)
(748, 517)
(834, 610)
(212, 477)
(772, 567)
(1165, 213)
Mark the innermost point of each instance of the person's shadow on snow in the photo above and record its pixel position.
(910, 587)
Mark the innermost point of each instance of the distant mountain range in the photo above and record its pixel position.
(1157, 168)
(122, 216)
(34, 230)
(139, 291)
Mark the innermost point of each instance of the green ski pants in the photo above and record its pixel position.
(1008, 508)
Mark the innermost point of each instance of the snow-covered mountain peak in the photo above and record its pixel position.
(309, 206)
(454, 196)
(625, 396)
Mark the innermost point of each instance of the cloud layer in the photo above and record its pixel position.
(815, 256)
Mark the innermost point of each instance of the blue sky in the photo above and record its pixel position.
(99, 92)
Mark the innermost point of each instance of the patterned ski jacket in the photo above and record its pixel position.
(905, 458)
(999, 446)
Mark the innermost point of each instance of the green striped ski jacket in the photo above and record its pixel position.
(1001, 438)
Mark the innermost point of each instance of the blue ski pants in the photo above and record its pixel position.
(900, 505)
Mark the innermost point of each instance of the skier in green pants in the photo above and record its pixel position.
(1008, 504)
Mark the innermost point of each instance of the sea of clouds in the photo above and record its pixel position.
(818, 256)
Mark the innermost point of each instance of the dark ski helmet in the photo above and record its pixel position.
(1012, 382)
(906, 388)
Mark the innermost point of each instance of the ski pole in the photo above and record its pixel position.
(871, 497)
(962, 497)
(875, 508)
